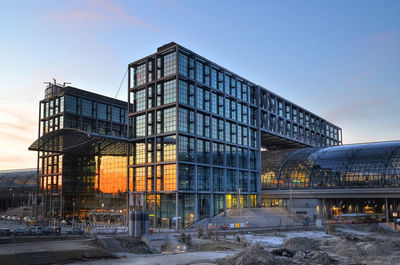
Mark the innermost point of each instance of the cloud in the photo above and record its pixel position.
(357, 109)
(96, 13)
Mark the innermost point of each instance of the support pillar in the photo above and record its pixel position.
(196, 208)
(176, 210)
(224, 204)
(386, 210)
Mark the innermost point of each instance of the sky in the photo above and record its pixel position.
(337, 59)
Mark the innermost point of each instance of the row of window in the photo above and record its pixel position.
(223, 179)
(164, 66)
(165, 176)
(52, 107)
(92, 109)
(284, 127)
(163, 149)
(163, 122)
(215, 128)
(286, 110)
(211, 76)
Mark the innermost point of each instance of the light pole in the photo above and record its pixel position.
(102, 207)
(73, 214)
(238, 202)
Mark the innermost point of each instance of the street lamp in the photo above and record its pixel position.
(238, 202)
(102, 207)
(73, 214)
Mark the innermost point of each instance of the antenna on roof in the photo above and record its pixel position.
(66, 83)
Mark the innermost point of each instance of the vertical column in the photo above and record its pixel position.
(127, 217)
(196, 210)
(176, 209)
(38, 173)
(386, 210)
(258, 124)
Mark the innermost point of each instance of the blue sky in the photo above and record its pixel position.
(338, 59)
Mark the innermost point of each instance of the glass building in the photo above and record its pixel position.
(82, 155)
(196, 131)
(347, 166)
(359, 179)
(17, 188)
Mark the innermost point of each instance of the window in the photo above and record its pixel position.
(186, 177)
(61, 104)
(280, 108)
(186, 93)
(140, 125)
(243, 181)
(218, 154)
(183, 64)
(102, 111)
(231, 156)
(169, 91)
(70, 104)
(139, 75)
(169, 64)
(203, 151)
(252, 95)
(116, 114)
(244, 92)
(214, 78)
(199, 72)
(139, 100)
(186, 120)
(86, 108)
(166, 149)
(207, 75)
(253, 182)
(203, 178)
(218, 179)
(139, 177)
(169, 177)
(186, 148)
(166, 120)
(253, 160)
(231, 176)
(214, 103)
(233, 87)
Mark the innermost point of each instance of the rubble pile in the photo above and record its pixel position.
(255, 254)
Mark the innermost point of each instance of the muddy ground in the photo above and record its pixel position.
(348, 244)
(351, 244)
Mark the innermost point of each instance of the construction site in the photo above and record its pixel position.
(270, 236)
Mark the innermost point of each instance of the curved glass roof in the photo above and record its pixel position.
(74, 141)
(24, 178)
(356, 165)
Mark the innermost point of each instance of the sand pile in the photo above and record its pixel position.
(254, 255)
(372, 248)
(319, 257)
(302, 244)
(346, 248)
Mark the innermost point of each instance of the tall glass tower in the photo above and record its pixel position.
(196, 131)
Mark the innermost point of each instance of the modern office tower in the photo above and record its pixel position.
(197, 134)
(82, 155)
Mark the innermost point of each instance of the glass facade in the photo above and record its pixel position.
(96, 184)
(346, 166)
(216, 123)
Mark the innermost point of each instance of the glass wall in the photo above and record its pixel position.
(360, 165)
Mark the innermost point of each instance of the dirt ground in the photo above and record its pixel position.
(352, 245)
(348, 244)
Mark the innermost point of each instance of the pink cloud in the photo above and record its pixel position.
(111, 8)
(97, 12)
(356, 109)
